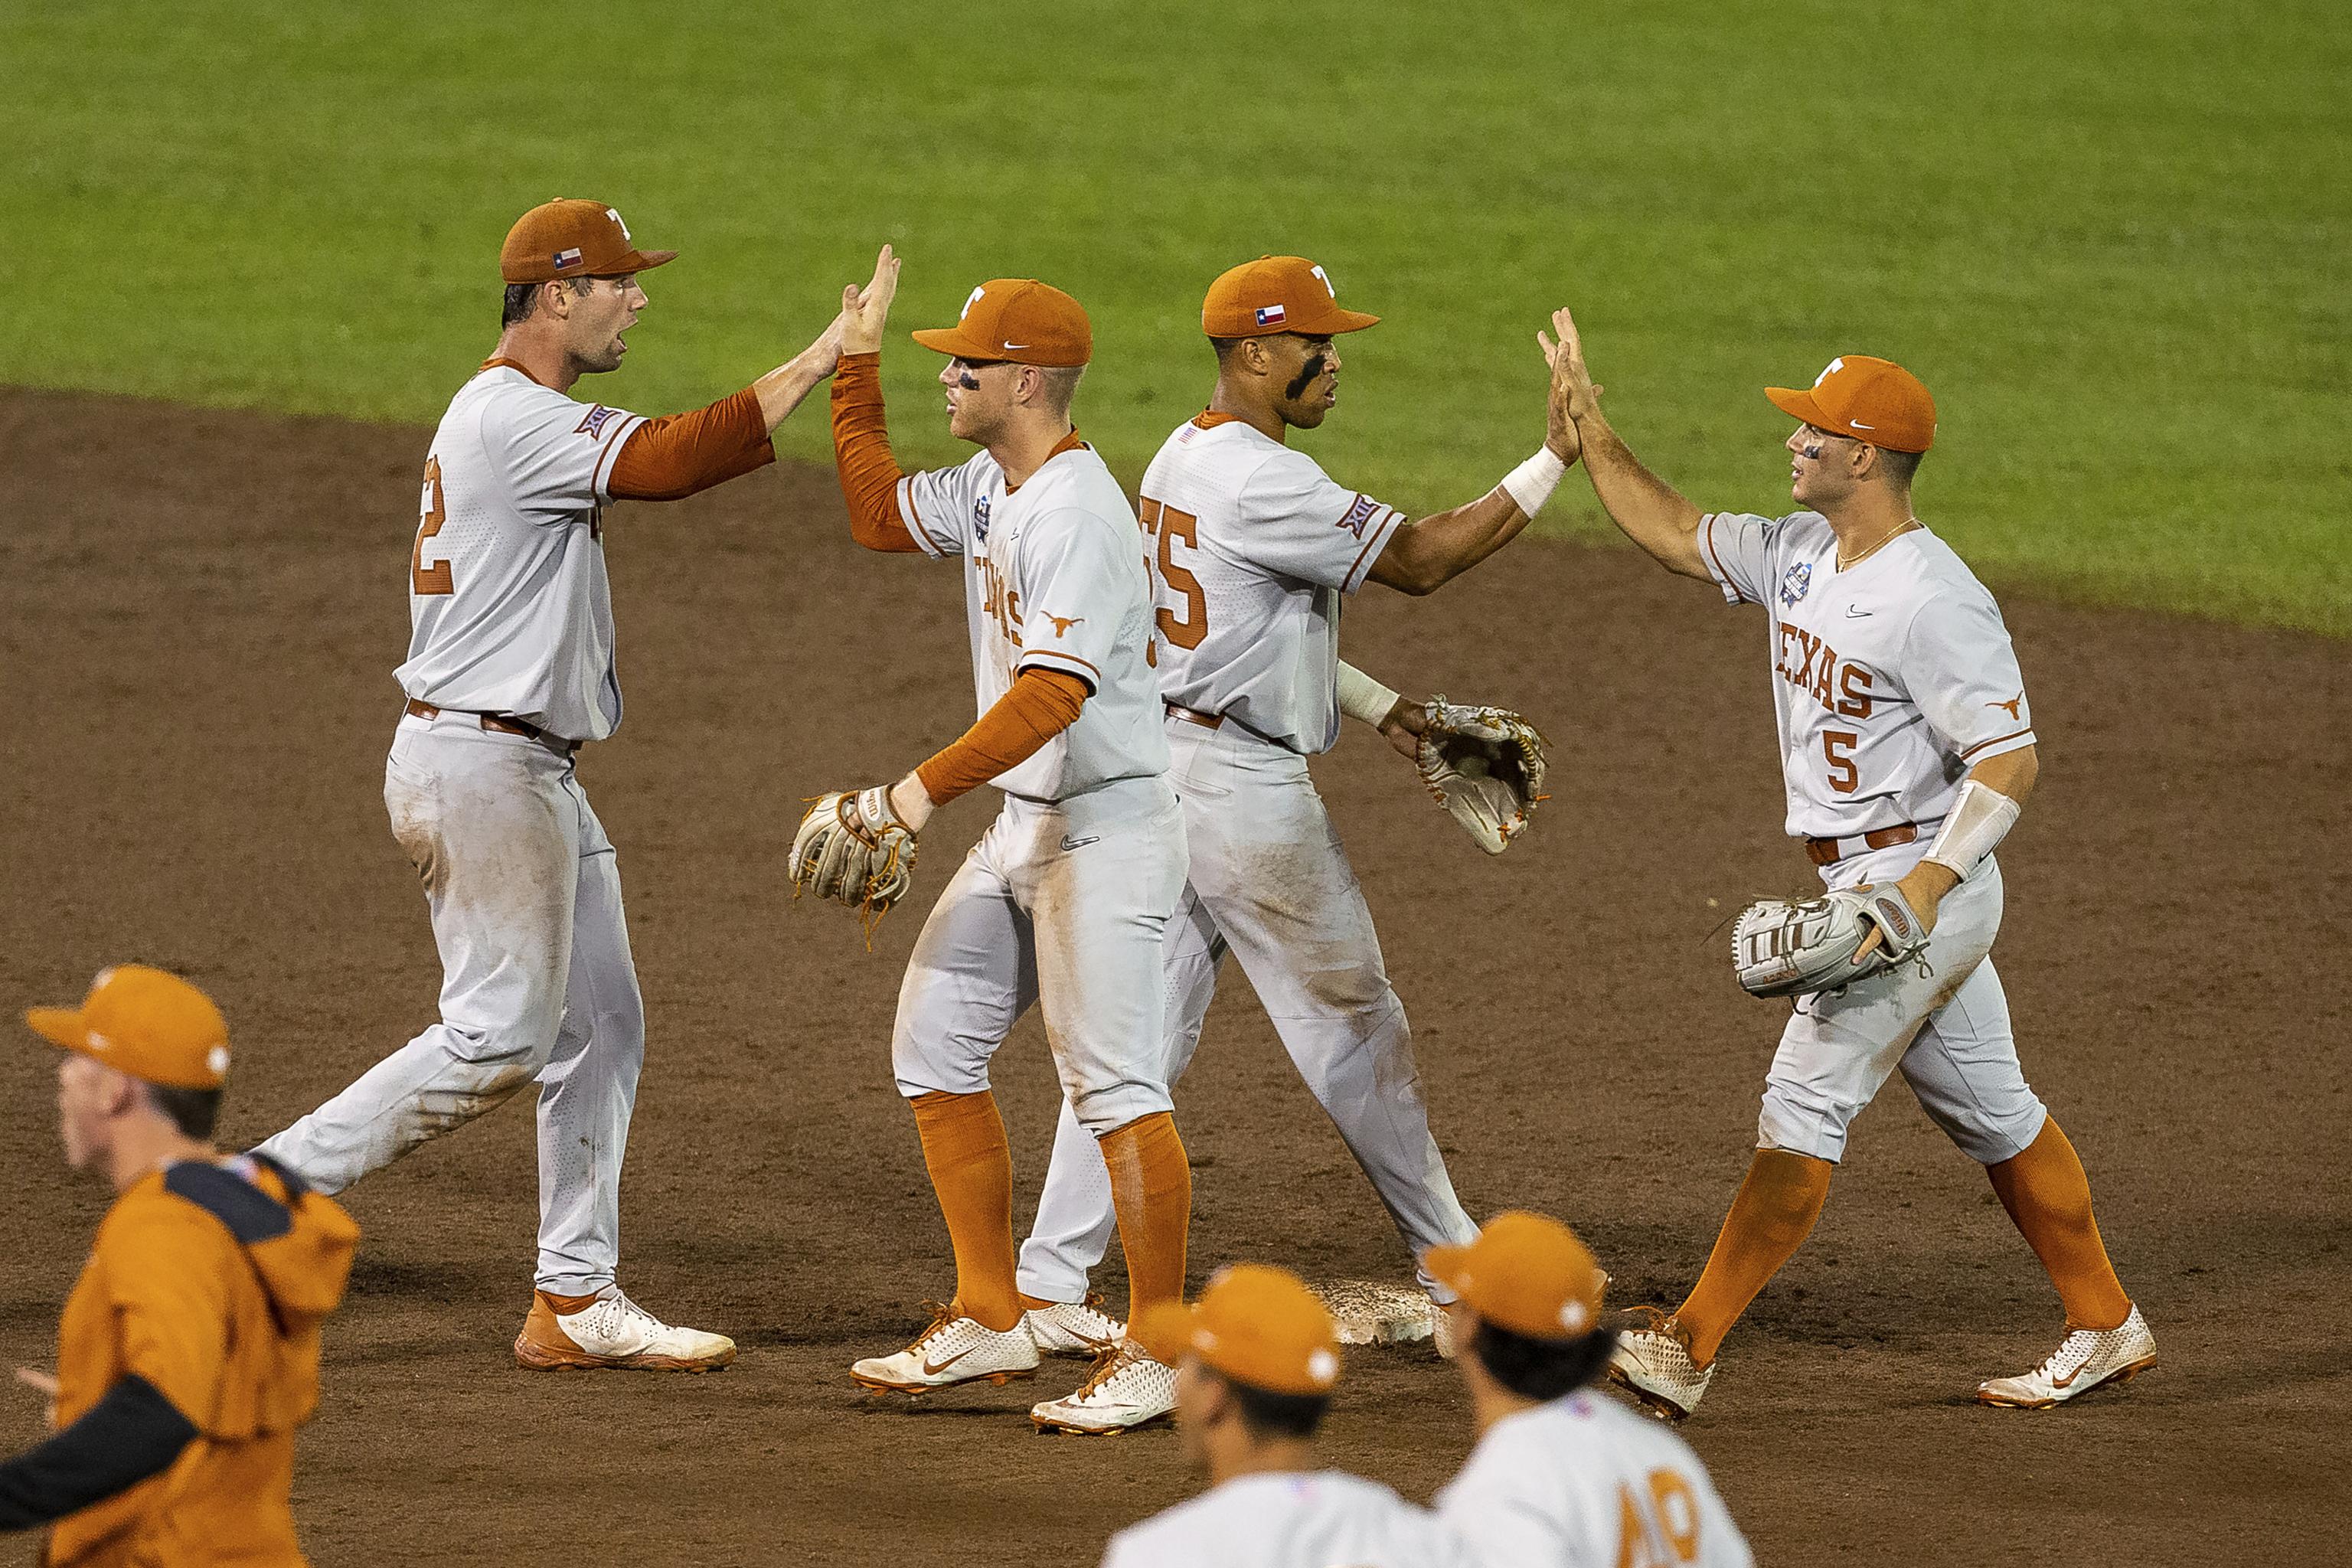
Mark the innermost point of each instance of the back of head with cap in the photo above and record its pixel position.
(1262, 1332)
(1536, 1291)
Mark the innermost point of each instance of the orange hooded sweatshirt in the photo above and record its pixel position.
(207, 1284)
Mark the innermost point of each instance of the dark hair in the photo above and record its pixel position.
(523, 299)
(1270, 1414)
(1542, 1368)
(1899, 466)
(194, 1111)
(1225, 347)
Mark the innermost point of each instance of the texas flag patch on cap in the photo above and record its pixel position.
(1269, 315)
(564, 259)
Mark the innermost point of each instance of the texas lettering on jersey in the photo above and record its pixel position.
(1064, 539)
(1896, 675)
(1808, 663)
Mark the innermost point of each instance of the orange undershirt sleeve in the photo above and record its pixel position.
(679, 454)
(861, 450)
(1041, 705)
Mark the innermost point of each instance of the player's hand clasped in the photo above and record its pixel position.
(856, 849)
(1792, 947)
(1485, 767)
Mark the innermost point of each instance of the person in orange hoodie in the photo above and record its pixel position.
(189, 1349)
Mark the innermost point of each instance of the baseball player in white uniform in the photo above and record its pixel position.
(510, 670)
(1563, 1477)
(1066, 900)
(1258, 1359)
(1907, 747)
(1254, 548)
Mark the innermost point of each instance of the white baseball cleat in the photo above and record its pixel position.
(1126, 1389)
(1653, 1365)
(2088, 1358)
(954, 1350)
(1074, 1328)
(613, 1331)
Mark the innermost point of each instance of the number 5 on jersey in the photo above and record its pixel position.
(435, 578)
(1165, 525)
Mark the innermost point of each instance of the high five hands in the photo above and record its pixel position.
(864, 312)
(1571, 382)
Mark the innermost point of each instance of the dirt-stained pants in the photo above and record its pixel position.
(537, 983)
(1269, 881)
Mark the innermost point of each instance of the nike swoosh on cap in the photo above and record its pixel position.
(1016, 345)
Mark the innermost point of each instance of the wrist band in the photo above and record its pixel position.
(1361, 697)
(1979, 819)
(1531, 483)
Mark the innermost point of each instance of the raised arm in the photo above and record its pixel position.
(676, 455)
(1651, 512)
(1422, 556)
(861, 437)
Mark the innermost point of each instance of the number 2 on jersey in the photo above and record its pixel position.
(1165, 525)
(438, 577)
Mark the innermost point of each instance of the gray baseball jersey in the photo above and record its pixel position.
(1895, 676)
(1582, 1482)
(1253, 545)
(1315, 1520)
(1054, 579)
(509, 605)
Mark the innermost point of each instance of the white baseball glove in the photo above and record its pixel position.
(1485, 765)
(1789, 947)
(855, 850)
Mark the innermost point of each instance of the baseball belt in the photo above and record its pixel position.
(505, 724)
(1830, 851)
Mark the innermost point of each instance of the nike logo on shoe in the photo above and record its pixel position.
(933, 1368)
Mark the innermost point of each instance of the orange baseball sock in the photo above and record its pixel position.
(971, 1172)
(2048, 1197)
(1770, 1219)
(1151, 1187)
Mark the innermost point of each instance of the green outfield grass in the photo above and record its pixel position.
(2115, 238)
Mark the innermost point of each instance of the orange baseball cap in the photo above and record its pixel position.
(1873, 400)
(154, 1026)
(1256, 1324)
(1527, 1273)
(572, 238)
(1016, 318)
(1277, 294)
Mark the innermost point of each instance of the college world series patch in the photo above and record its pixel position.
(1795, 581)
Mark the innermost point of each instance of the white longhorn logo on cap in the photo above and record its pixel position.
(1322, 1366)
(1326, 277)
(614, 215)
(1830, 369)
(217, 1060)
(968, 304)
(1572, 1316)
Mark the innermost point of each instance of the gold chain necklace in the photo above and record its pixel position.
(1892, 534)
